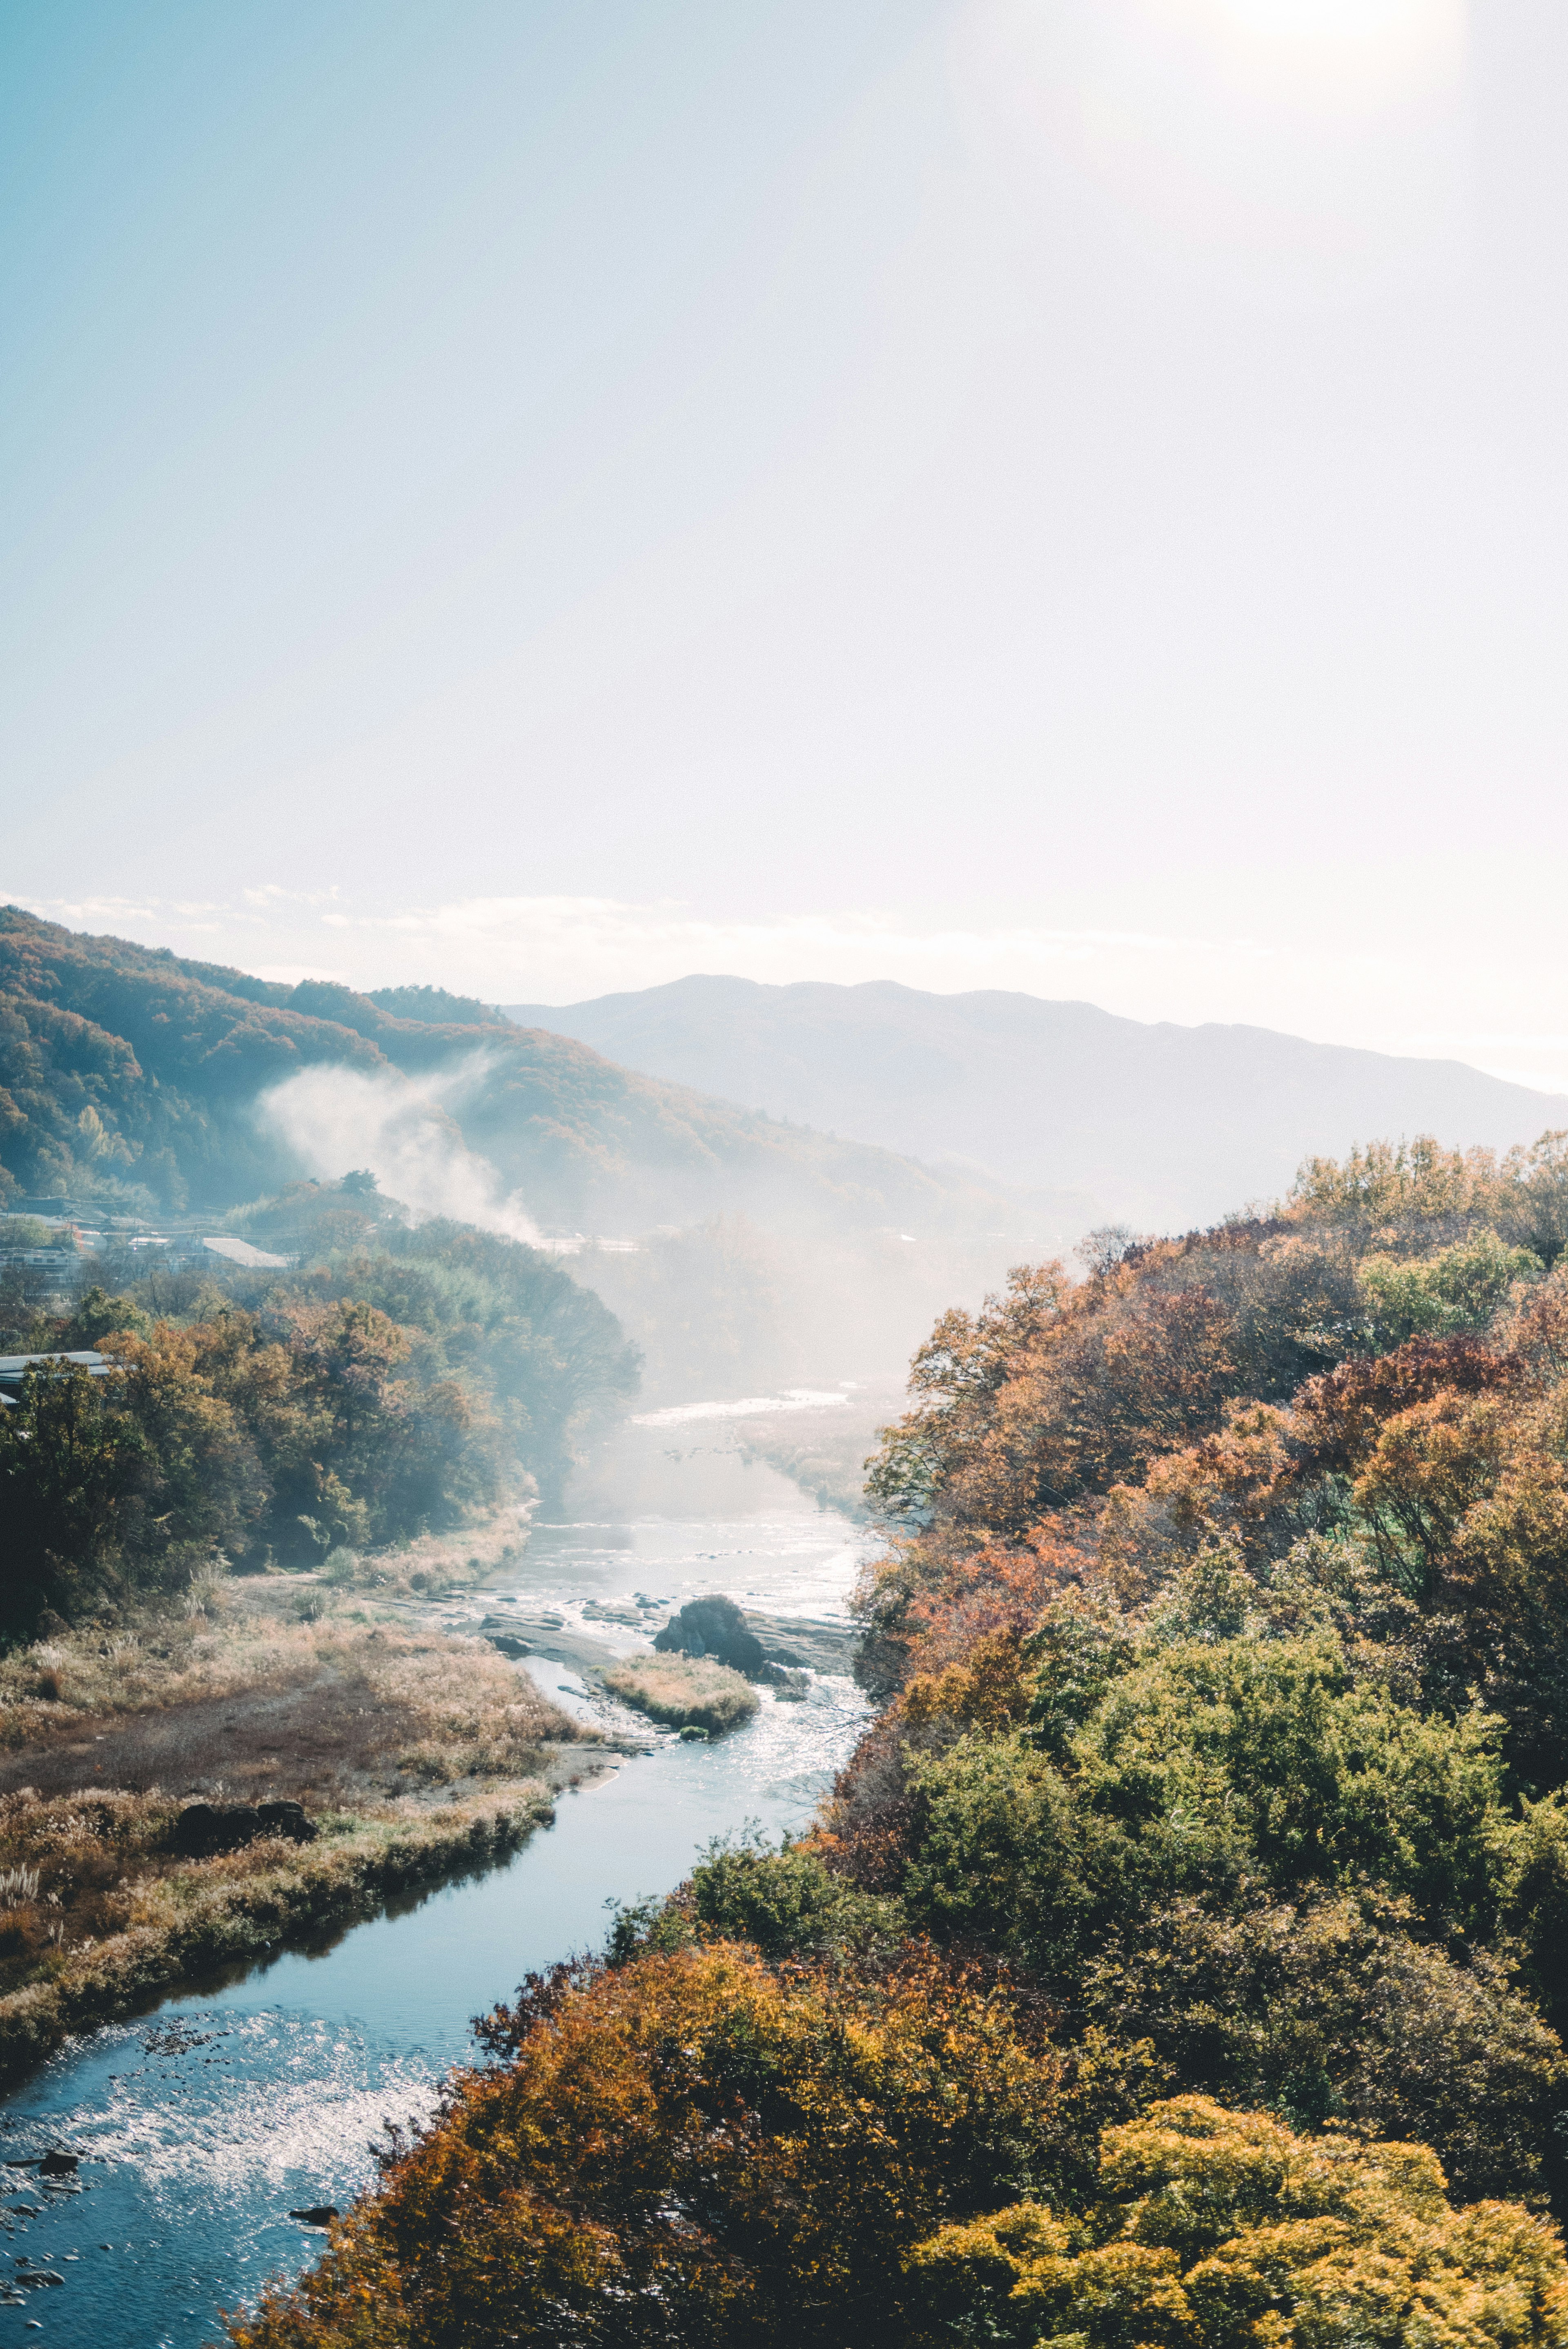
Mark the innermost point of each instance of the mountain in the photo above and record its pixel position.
(1163, 1126)
(127, 1071)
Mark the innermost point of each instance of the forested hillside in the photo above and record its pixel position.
(400, 1381)
(128, 1074)
(1113, 1119)
(1180, 1960)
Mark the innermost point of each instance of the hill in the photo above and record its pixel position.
(127, 1072)
(1163, 1126)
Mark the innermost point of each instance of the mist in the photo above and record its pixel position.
(731, 1277)
(722, 1306)
(403, 1131)
(733, 1307)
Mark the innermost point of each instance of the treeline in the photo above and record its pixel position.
(1179, 1962)
(403, 1379)
(136, 1080)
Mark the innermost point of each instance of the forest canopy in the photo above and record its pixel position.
(402, 1379)
(133, 1077)
(1179, 1959)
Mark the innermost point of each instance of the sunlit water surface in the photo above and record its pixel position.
(206, 2122)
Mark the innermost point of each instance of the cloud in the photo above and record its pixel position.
(551, 948)
(336, 1119)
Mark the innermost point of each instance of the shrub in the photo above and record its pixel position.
(786, 1903)
(1218, 2229)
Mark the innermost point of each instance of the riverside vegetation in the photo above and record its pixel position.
(402, 1379)
(1178, 1963)
(683, 1692)
(410, 1755)
(361, 1430)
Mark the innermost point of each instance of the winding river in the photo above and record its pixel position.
(206, 2121)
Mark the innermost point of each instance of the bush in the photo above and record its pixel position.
(1217, 2229)
(786, 1903)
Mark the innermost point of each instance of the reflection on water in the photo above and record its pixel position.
(206, 2123)
(793, 1398)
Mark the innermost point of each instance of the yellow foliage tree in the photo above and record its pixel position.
(691, 2148)
(1218, 2229)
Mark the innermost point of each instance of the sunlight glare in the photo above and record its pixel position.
(1301, 150)
(1363, 48)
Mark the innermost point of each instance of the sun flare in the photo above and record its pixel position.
(1381, 37)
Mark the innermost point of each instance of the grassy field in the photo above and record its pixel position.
(683, 1692)
(414, 1754)
(242, 1704)
(161, 1922)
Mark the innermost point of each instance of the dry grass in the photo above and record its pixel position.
(415, 1752)
(684, 1692)
(250, 1705)
(121, 1920)
(434, 1562)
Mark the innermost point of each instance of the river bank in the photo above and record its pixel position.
(202, 2127)
(387, 1754)
(260, 2083)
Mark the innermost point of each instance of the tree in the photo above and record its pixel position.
(1334, 2007)
(1206, 1768)
(1218, 2229)
(71, 1463)
(692, 2149)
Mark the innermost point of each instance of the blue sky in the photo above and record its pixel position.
(1060, 493)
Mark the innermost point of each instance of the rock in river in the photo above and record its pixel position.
(716, 1628)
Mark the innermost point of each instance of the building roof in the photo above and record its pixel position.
(15, 1367)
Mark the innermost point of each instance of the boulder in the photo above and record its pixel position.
(509, 1644)
(716, 1628)
(320, 2214)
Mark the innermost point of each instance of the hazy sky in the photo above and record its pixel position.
(1056, 494)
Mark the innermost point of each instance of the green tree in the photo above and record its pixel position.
(72, 1462)
(1209, 1768)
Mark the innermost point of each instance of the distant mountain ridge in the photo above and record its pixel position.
(1163, 1126)
(126, 1065)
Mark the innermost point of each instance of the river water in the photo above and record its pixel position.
(205, 2122)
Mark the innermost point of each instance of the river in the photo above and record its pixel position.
(206, 2121)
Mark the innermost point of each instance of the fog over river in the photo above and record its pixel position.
(202, 2123)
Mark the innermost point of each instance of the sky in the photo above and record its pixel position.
(1063, 494)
